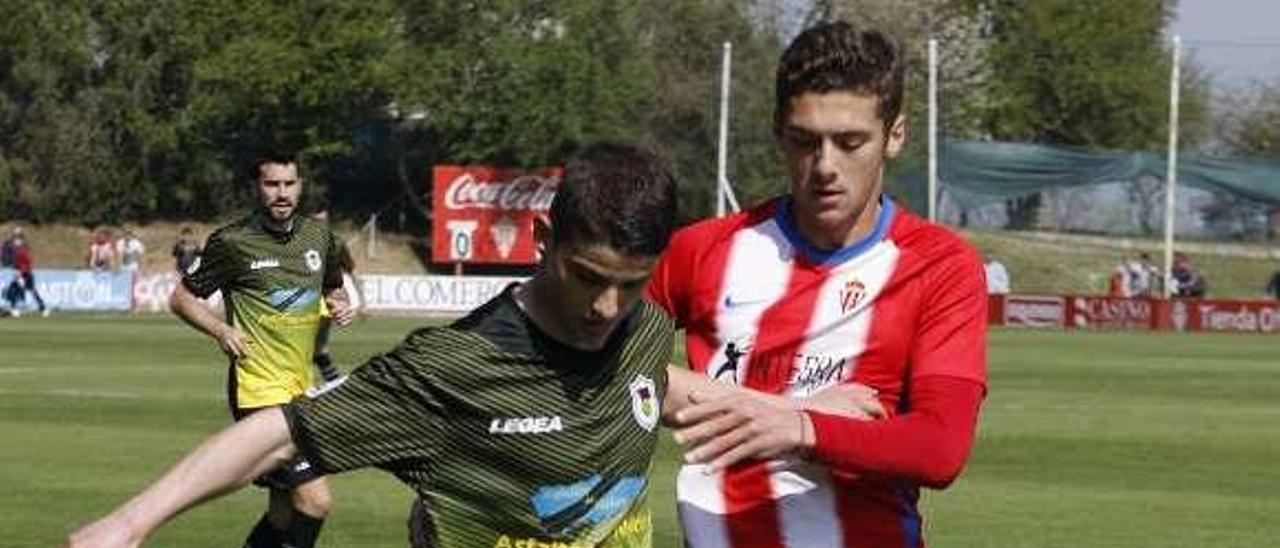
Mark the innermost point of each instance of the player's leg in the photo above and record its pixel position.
(29, 280)
(311, 502)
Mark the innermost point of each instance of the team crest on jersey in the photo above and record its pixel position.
(313, 259)
(644, 402)
(851, 295)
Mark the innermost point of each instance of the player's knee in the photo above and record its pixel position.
(313, 499)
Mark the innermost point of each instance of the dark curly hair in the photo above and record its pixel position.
(839, 56)
(618, 195)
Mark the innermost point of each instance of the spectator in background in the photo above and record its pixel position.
(9, 248)
(101, 256)
(130, 249)
(1150, 276)
(26, 280)
(997, 277)
(185, 250)
(1273, 287)
(1186, 282)
(1119, 282)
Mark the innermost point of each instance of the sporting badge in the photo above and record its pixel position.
(313, 259)
(644, 402)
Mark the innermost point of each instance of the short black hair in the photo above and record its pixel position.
(617, 195)
(273, 156)
(838, 56)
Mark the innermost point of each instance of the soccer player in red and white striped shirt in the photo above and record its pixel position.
(832, 284)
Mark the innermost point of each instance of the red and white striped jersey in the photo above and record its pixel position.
(763, 309)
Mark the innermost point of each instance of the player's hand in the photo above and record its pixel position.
(850, 400)
(233, 342)
(728, 430)
(108, 532)
(340, 309)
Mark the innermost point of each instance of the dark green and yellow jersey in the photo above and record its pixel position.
(272, 286)
(511, 438)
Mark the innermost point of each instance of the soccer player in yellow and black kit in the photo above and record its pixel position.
(531, 422)
(278, 278)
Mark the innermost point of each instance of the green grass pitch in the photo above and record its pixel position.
(1087, 439)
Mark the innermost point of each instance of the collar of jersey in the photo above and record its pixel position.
(832, 257)
(260, 220)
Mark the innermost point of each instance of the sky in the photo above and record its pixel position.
(1236, 40)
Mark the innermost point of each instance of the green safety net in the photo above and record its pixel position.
(977, 173)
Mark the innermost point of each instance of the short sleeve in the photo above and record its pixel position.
(212, 270)
(386, 411)
(951, 339)
(668, 286)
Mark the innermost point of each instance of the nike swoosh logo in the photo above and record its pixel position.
(730, 303)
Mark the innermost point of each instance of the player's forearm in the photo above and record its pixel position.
(682, 384)
(927, 445)
(192, 311)
(223, 463)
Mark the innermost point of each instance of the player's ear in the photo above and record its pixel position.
(896, 137)
(541, 235)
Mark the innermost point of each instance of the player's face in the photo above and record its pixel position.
(278, 189)
(836, 146)
(598, 287)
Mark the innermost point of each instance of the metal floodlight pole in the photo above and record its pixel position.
(933, 129)
(722, 156)
(1171, 171)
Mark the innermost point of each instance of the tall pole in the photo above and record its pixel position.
(1171, 171)
(722, 155)
(933, 129)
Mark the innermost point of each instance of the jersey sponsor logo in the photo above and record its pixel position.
(291, 298)
(259, 264)
(733, 353)
(526, 425)
(313, 260)
(851, 295)
(570, 509)
(644, 402)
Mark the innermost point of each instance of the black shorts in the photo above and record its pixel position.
(289, 475)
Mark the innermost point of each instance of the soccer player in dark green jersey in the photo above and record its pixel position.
(530, 422)
(278, 277)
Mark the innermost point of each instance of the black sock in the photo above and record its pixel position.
(263, 535)
(303, 531)
(327, 370)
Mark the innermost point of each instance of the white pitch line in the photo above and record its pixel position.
(106, 394)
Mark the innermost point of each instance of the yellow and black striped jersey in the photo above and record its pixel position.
(272, 286)
(510, 437)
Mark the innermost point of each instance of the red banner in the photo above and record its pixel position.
(485, 215)
(1093, 312)
(1230, 316)
(1099, 312)
(1034, 310)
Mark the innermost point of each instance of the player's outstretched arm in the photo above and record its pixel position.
(686, 388)
(221, 464)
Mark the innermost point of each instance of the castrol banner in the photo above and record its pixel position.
(485, 215)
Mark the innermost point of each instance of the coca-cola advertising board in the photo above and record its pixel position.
(485, 215)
